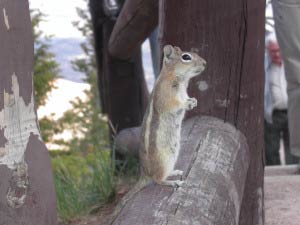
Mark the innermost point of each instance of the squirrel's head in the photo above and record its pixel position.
(184, 64)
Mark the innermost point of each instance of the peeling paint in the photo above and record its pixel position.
(17, 191)
(223, 103)
(18, 121)
(202, 85)
(6, 19)
(243, 96)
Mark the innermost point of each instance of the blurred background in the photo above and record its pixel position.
(69, 113)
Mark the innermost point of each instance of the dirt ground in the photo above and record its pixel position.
(282, 200)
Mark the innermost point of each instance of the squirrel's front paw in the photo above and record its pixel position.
(191, 103)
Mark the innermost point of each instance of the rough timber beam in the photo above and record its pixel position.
(136, 21)
(215, 158)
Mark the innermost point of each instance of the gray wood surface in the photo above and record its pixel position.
(214, 157)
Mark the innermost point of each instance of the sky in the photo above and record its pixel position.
(60, 15)
(66, 38)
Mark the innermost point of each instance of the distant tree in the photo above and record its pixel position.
(46, 69)
(85, 120)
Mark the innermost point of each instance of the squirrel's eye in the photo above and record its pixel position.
(186, 57)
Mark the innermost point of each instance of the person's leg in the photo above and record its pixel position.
(289, 158)
(281, 119)
(287, 24)
(272, 140)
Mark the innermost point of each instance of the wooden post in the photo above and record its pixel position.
(215, 158)
(27, 194)
(229, 35)
(137, 20)
(122, 85)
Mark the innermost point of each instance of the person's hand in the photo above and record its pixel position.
(274, 53)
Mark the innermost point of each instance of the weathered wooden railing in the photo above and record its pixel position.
(214, 157)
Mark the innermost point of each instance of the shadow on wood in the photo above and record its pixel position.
(214, 157)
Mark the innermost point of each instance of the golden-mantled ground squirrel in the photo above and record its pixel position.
(160, 139)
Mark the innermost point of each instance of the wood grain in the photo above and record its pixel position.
(214, 157)
(27, 194)
(229, 35)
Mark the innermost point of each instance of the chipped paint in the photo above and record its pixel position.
(202, 85)
(223, 103)
(17, 191)
(18, 121)
(6, 19)
(243, 96)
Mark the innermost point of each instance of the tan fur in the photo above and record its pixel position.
(169, 102)
(159, 148)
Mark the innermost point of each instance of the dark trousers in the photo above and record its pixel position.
(273, 134)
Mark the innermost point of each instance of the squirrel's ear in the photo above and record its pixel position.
(169, 52)
(195, 50)
(177, 49)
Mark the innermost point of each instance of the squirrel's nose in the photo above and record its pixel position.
(204, 62)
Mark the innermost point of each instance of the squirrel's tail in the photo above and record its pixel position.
(143, 181)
